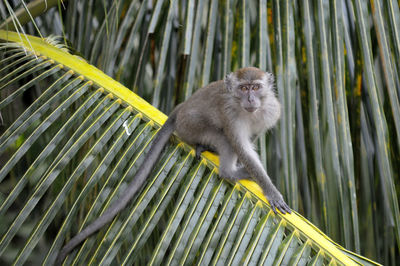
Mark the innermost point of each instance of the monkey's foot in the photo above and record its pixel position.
(241, 173)
(234, 174)
(279, 204)
(200, 149)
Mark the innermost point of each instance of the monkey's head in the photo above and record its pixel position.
(250, 86)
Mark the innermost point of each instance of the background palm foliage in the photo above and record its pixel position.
(335, 155)
(87, 131)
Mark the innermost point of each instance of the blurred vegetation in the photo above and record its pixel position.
(336, 153)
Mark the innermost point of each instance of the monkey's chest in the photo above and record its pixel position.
(254, 125)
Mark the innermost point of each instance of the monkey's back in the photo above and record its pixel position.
(200, 113)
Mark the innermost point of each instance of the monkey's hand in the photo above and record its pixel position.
(276, 201)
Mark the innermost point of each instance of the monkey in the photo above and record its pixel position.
(224, 116)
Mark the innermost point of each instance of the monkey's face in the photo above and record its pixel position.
(250, 96)
(251, 87)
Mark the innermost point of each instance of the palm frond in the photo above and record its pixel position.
(88, 134)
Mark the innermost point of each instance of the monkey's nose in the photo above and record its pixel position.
(251, 99)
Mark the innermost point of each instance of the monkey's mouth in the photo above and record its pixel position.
(250, 109)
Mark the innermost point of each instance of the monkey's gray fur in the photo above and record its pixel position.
(223, 116)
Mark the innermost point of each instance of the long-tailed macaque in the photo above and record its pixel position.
(223, 116)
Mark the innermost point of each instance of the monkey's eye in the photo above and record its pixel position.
(243, 88)
(256, 87)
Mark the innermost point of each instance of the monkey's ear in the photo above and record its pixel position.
(269, 79)
(230, 81)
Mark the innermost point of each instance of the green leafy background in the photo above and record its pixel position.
(335, 155)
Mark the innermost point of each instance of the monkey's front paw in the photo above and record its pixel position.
(277, 202)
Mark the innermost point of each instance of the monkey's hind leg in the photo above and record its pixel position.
(228, 168)
(228, 159)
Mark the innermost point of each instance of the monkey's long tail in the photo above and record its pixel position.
(143, 172)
